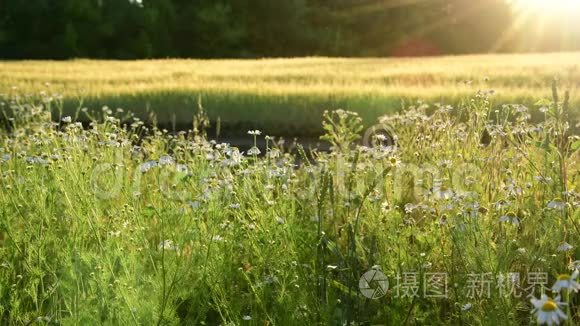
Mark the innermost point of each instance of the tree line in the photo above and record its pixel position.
(130, 29)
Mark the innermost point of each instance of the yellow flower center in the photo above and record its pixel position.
(549, 306)
(564, 277)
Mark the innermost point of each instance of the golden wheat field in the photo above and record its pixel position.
(288, 96)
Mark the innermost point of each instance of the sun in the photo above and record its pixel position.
(549, 5)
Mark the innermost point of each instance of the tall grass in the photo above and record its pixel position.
(115, 224)
(287, 96)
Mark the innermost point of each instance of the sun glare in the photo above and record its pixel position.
(550, 5)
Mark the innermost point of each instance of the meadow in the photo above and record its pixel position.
(288, 96)
(414, 221)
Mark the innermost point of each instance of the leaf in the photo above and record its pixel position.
(543, 102)
(575, 145)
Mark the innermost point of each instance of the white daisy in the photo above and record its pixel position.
(568, 282)
(548, 310)
(254, 132)
(254, 151)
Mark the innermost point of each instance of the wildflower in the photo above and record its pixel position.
(217, 237)
(247, 317)
(521, 108)
(166, 245)
(67, 119)
(521, 250)
(114, 233)
(235, 157)
(273, 153)
(466, 307)
(557, 204)
(510, 217)
(166, 160)
(442, 192)
(193, 204)
(254, 132)
(394, 161)
(409, 207)
(147, 166)
(36, 160)
(502, 203)
(235, 206)
(385, 206)
(182, 168)
(254, 151)
(512, 189)
(547, 310)
(542, 179)
(544, 109)
(446, 164)
(280, 220)
(565, 247)
(568, 282)
(380, 137)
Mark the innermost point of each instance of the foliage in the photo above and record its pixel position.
(129, 29)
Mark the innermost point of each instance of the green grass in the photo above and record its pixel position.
(288, 96)
(93, 232)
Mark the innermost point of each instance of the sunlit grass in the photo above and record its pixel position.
(111, 224)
